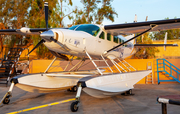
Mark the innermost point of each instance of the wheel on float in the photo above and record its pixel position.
(74, 107)
(6, 100)
(74, 89)
(130, 92)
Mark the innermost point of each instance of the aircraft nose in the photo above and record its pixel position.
(47, 35)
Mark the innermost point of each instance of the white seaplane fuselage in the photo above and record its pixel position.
(76, 41)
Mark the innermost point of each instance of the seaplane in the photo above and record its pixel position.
(93, 42)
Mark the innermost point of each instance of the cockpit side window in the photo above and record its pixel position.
(95, 32)
(102, 35)
(89, 28)
(109, 36)
(121, 40)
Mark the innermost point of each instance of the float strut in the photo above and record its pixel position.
(78, 92)
(75, 105)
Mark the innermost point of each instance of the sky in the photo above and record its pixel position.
(154, 9)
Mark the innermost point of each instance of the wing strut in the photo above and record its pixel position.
(152, 26)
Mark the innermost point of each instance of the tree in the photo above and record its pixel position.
(171, 34)
(93, 13)
(37, 20)
(145, 53)
(13, 14)
(63, 9)
(105, 11)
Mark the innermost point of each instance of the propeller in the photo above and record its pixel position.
(46, 19)
(46, 14)
(42, 41)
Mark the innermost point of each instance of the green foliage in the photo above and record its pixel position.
(171, 34)
(94, 12)
(145, 53)
(37, 20)
(13, 14)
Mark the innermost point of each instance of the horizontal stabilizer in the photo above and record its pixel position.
(153, 45)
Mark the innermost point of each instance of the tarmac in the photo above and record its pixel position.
(144, 101)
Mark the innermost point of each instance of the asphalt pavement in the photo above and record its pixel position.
(142, 102)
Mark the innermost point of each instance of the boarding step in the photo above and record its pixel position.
(4, 76)
(13, 57)
(102, 66)
(99, 60)
(126, 65)
(4, 81)
(98, 67)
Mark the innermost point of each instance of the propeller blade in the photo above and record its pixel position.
(36, 46)
(46, 14)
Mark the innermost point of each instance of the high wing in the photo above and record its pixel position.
(133, 28)
(116, 29)
(141, 28)
(23, 31)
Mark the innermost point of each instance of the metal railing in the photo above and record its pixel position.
(168, 69)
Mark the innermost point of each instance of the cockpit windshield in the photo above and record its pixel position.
(89, 28)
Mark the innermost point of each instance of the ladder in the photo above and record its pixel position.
(149, 77)
(127, 65)
(99, 67)
(118, 67)
(9, 64)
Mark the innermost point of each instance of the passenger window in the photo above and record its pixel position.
(108, 36)
(115, 39)
(101, 35)
(119, 41)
